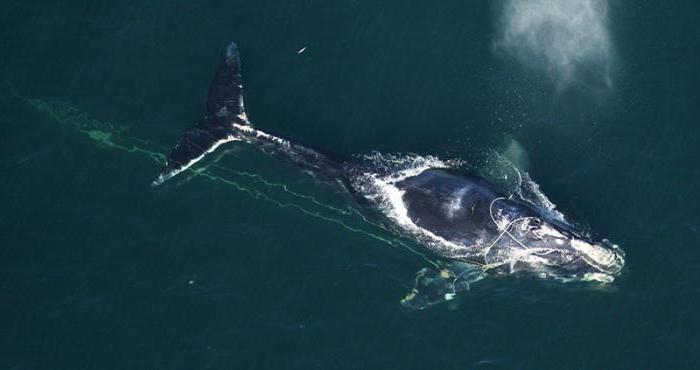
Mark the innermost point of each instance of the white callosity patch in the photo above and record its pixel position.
(570, 39)
(601, 258)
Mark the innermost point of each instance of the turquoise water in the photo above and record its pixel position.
(247, 263)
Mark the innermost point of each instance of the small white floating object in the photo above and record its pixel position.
(301, 50)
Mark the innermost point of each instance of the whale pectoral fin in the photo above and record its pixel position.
(224, 109)
(435, 286)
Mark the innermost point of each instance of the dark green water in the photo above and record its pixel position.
(252, 265)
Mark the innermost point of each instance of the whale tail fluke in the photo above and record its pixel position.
(224, 109)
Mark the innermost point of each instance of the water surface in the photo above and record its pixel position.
(253, 265)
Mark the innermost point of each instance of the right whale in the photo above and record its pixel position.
(474, 226)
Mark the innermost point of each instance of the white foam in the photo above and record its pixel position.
(599, 277)
(250, 130)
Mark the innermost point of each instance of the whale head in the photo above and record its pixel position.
(551, 248)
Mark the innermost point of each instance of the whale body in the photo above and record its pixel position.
(476, 227)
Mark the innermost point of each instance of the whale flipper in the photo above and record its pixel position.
(224, 108)
(437, 286)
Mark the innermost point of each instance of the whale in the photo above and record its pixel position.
(476, 228)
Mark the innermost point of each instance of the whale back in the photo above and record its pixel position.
(456, 206)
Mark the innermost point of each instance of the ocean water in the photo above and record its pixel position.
(247, 263)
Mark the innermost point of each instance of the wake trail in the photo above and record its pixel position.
(259, 188)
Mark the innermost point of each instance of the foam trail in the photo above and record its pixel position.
(254, 185)
(568, 39)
